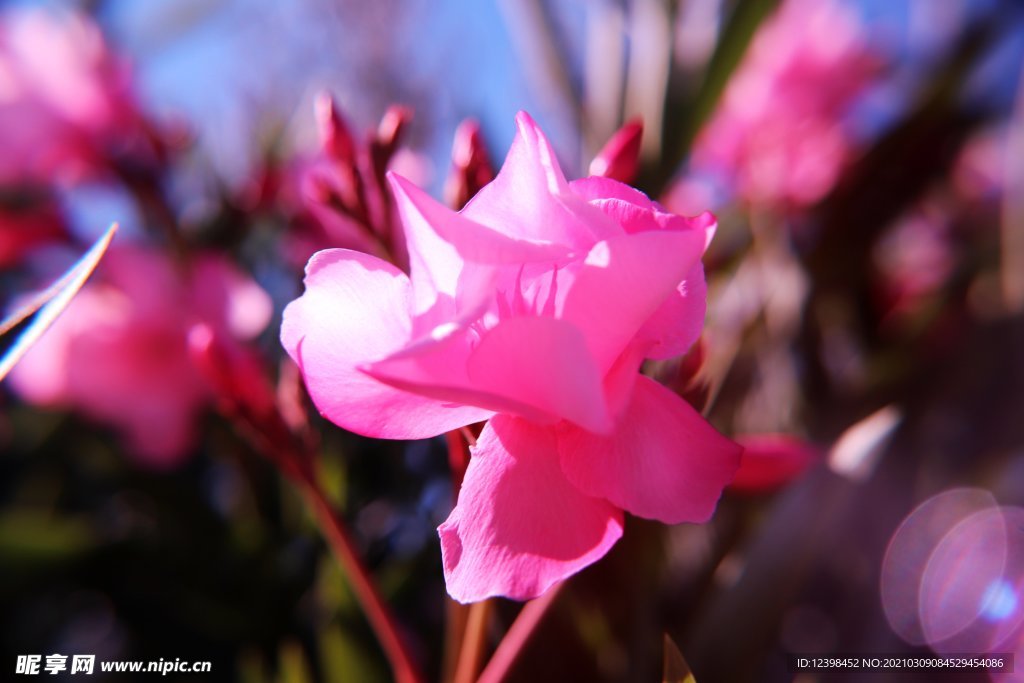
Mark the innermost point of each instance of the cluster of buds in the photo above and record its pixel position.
(347, 183)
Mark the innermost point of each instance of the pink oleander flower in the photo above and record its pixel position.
(979, 174)
(778, 135)
(913, 260)
(120, 355)
(532, 309)
(65, 103)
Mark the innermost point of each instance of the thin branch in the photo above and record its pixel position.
(474, 641)
(376, 610)
(517, 637)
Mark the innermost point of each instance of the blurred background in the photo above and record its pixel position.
(864, 341)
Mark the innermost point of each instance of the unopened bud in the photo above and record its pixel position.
(619, 159)
(471, 166)
(335, 138)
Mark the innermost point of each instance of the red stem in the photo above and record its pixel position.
(471, 652)
(458, 458)
(517, 637)
(376, 610)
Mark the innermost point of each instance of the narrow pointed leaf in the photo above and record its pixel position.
(676, 670)
(51, 303)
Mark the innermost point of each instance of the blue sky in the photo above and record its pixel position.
(233, 68)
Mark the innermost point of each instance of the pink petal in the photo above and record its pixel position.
(635, 211)
(474, 240)
(597, 188)
(678, 322)
(542, 362)
(531, 200)
(520, 526)
(434, 263)
(226, 298)
(160, 437)
(537, 368)
(149, 276)
(355, 311)
(665, 462)
(436, 367)
(623, 282)
(621, 378)
(446, 288)
(135, 375)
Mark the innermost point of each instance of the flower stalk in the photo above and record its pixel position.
(247, 401)
(518, 636)
(474, 641)
(373, 605)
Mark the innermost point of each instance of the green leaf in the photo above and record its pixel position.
(676, 670)
(294, 666)
(683, 119)
(344, 659)
(34, 538)
(50, 303)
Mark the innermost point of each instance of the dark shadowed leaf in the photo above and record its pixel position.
(685, 116)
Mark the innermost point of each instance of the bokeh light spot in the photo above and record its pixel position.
(999, 601)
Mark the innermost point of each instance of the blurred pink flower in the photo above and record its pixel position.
(770, 461)
(119, 353)
(979, 174)
(533, 309)
(688, 193)
(65, 104)
(24, 228)
(914, 259)
(777, 136)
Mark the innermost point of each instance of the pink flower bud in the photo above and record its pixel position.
(471, 166)
(335, 139)
(236, 377)
(391, 127)
(619, 159)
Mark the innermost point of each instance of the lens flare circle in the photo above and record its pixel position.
(911, 548)
(969, 590)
